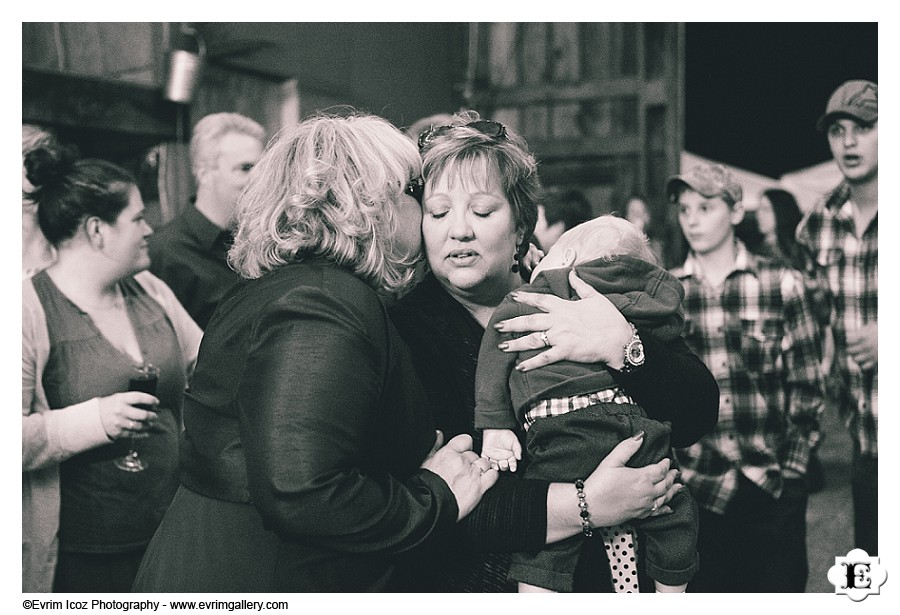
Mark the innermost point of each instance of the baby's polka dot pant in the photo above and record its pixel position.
(621, 547)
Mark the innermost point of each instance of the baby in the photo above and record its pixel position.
(574, 414)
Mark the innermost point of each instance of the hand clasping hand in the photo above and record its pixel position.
(468, 475)
(502, 448)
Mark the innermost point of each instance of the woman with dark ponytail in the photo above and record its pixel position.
(91, 322)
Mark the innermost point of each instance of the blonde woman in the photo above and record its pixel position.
(307, 461)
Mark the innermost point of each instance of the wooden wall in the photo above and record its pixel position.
(601, 104)
(127, 52)
(275, 73)
(100, 86)
(136, 54)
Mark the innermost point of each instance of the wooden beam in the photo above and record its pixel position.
(55, 99)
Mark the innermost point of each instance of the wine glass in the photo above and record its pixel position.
(144, 379)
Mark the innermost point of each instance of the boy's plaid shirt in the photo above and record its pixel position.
(846, 268)
(757, 336)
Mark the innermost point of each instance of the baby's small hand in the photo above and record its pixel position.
(502, 448)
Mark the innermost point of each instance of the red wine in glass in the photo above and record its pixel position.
(144, 379)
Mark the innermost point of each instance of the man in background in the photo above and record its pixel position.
(189, 253)
(749, 321)
(840, 238)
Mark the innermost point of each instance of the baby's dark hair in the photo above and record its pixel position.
(68, 190)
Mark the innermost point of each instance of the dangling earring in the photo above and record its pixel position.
(516, 257)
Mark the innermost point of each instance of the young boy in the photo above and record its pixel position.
(748, 319)
(574, 414)
(840, 236)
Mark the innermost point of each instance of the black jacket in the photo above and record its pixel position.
(304, 402)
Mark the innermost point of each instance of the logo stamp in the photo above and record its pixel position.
(857, 575)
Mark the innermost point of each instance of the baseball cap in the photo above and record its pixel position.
(710, 180)
(856, 99)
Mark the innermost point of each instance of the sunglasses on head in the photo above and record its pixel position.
(415, 188)
(493, 129)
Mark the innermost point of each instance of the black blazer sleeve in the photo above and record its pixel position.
(312, 419)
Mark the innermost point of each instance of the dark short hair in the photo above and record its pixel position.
(566, 205)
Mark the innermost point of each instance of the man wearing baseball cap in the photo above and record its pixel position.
(840, 236)
(749, 320)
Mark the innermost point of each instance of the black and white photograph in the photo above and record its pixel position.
(317, 307)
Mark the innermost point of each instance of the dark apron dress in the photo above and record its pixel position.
(108, 515)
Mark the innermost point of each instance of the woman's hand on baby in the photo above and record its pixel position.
(617, 493)
(502, 448)
(121, 418)
(589, 330)
(468, 475)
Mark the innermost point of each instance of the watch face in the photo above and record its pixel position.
(636, 353)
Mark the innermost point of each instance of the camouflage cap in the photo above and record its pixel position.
(710, 180)
(856, 99)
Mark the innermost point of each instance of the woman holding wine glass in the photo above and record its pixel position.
(93, 322)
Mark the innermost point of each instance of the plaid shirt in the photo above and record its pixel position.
(758, 338)
(563, 405)
(846, 268)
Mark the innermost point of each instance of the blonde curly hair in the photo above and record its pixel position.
(328, 188)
